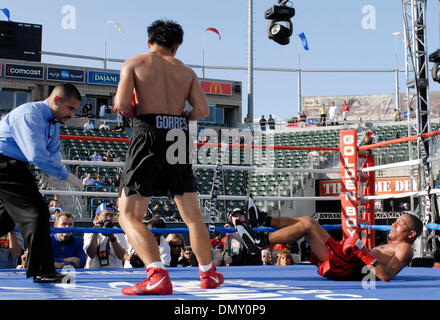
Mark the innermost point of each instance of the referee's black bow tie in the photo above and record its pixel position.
(53, 121)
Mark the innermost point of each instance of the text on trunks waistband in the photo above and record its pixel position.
(171, 122)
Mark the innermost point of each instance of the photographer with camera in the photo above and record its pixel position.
(104, 250)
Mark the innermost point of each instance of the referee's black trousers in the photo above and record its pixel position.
(22, 205)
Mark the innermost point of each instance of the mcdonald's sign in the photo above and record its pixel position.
(210, 87)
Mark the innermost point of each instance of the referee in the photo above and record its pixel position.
(29, 134)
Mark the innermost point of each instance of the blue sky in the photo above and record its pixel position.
(337, 39)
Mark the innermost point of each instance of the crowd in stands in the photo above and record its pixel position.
(113, 250)
(330, 116)
(270, 122)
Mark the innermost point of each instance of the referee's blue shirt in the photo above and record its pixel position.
(26, 134)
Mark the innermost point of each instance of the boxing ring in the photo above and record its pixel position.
(295, 282)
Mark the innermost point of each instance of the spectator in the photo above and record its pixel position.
(147, 216)
(284, 258)
(271, 122)
(235, 253)
(119, 127)
(99, 182)
(170, 215)
(108, 156)
(278, 248)
(177, 243)
(185, 258)
(86, 110)
(313, 155)
(345, 110)
(132, 260)
(104, 127)
(11, 248)
(53, 215)
(102, 110)
(323, 115)
(116, 181)
(436, 258)
(267, 257)
(95, 156)
(303, 119)
(88, 180)
(89, 126)
(323, 156)
(67, 248)
(396, 116)
(55, 204)
(116, 158)
(157, 212)
(217, 241)
(333, 113)
(263, 123)
(104, 250)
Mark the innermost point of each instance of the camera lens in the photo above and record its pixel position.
(108, 224)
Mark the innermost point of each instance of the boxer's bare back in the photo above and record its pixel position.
(161, 83)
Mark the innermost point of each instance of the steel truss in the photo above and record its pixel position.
(416, 68)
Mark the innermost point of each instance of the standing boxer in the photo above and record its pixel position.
(162, 85)
(29, 134)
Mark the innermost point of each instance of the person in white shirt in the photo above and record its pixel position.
(333, 113)
(88, 180)
(104, 126)
(104, 250)
(89, 125)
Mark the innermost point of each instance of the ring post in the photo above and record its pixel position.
(349, 182)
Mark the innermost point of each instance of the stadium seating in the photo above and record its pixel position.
(236, 182)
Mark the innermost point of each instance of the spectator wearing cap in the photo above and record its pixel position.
(235, 253)
(132, 260)
(104, 250)
(67, 248)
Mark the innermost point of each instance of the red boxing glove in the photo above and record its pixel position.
(355, 246)
(132, 113)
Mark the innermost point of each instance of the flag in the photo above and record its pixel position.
(303, 38)
(117, 26)
(6, 12)
(214, 30)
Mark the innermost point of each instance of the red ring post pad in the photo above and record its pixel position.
(349, 182)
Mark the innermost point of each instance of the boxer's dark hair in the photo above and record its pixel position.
(417, 225)
(166, 33)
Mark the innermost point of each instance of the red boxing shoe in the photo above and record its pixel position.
(157, 283)
(210, 279)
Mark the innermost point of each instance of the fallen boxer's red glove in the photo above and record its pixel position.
(356, 246)
(132, 113)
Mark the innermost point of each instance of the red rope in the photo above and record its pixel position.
(400, 140)
(247, 146)
(200, 144)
